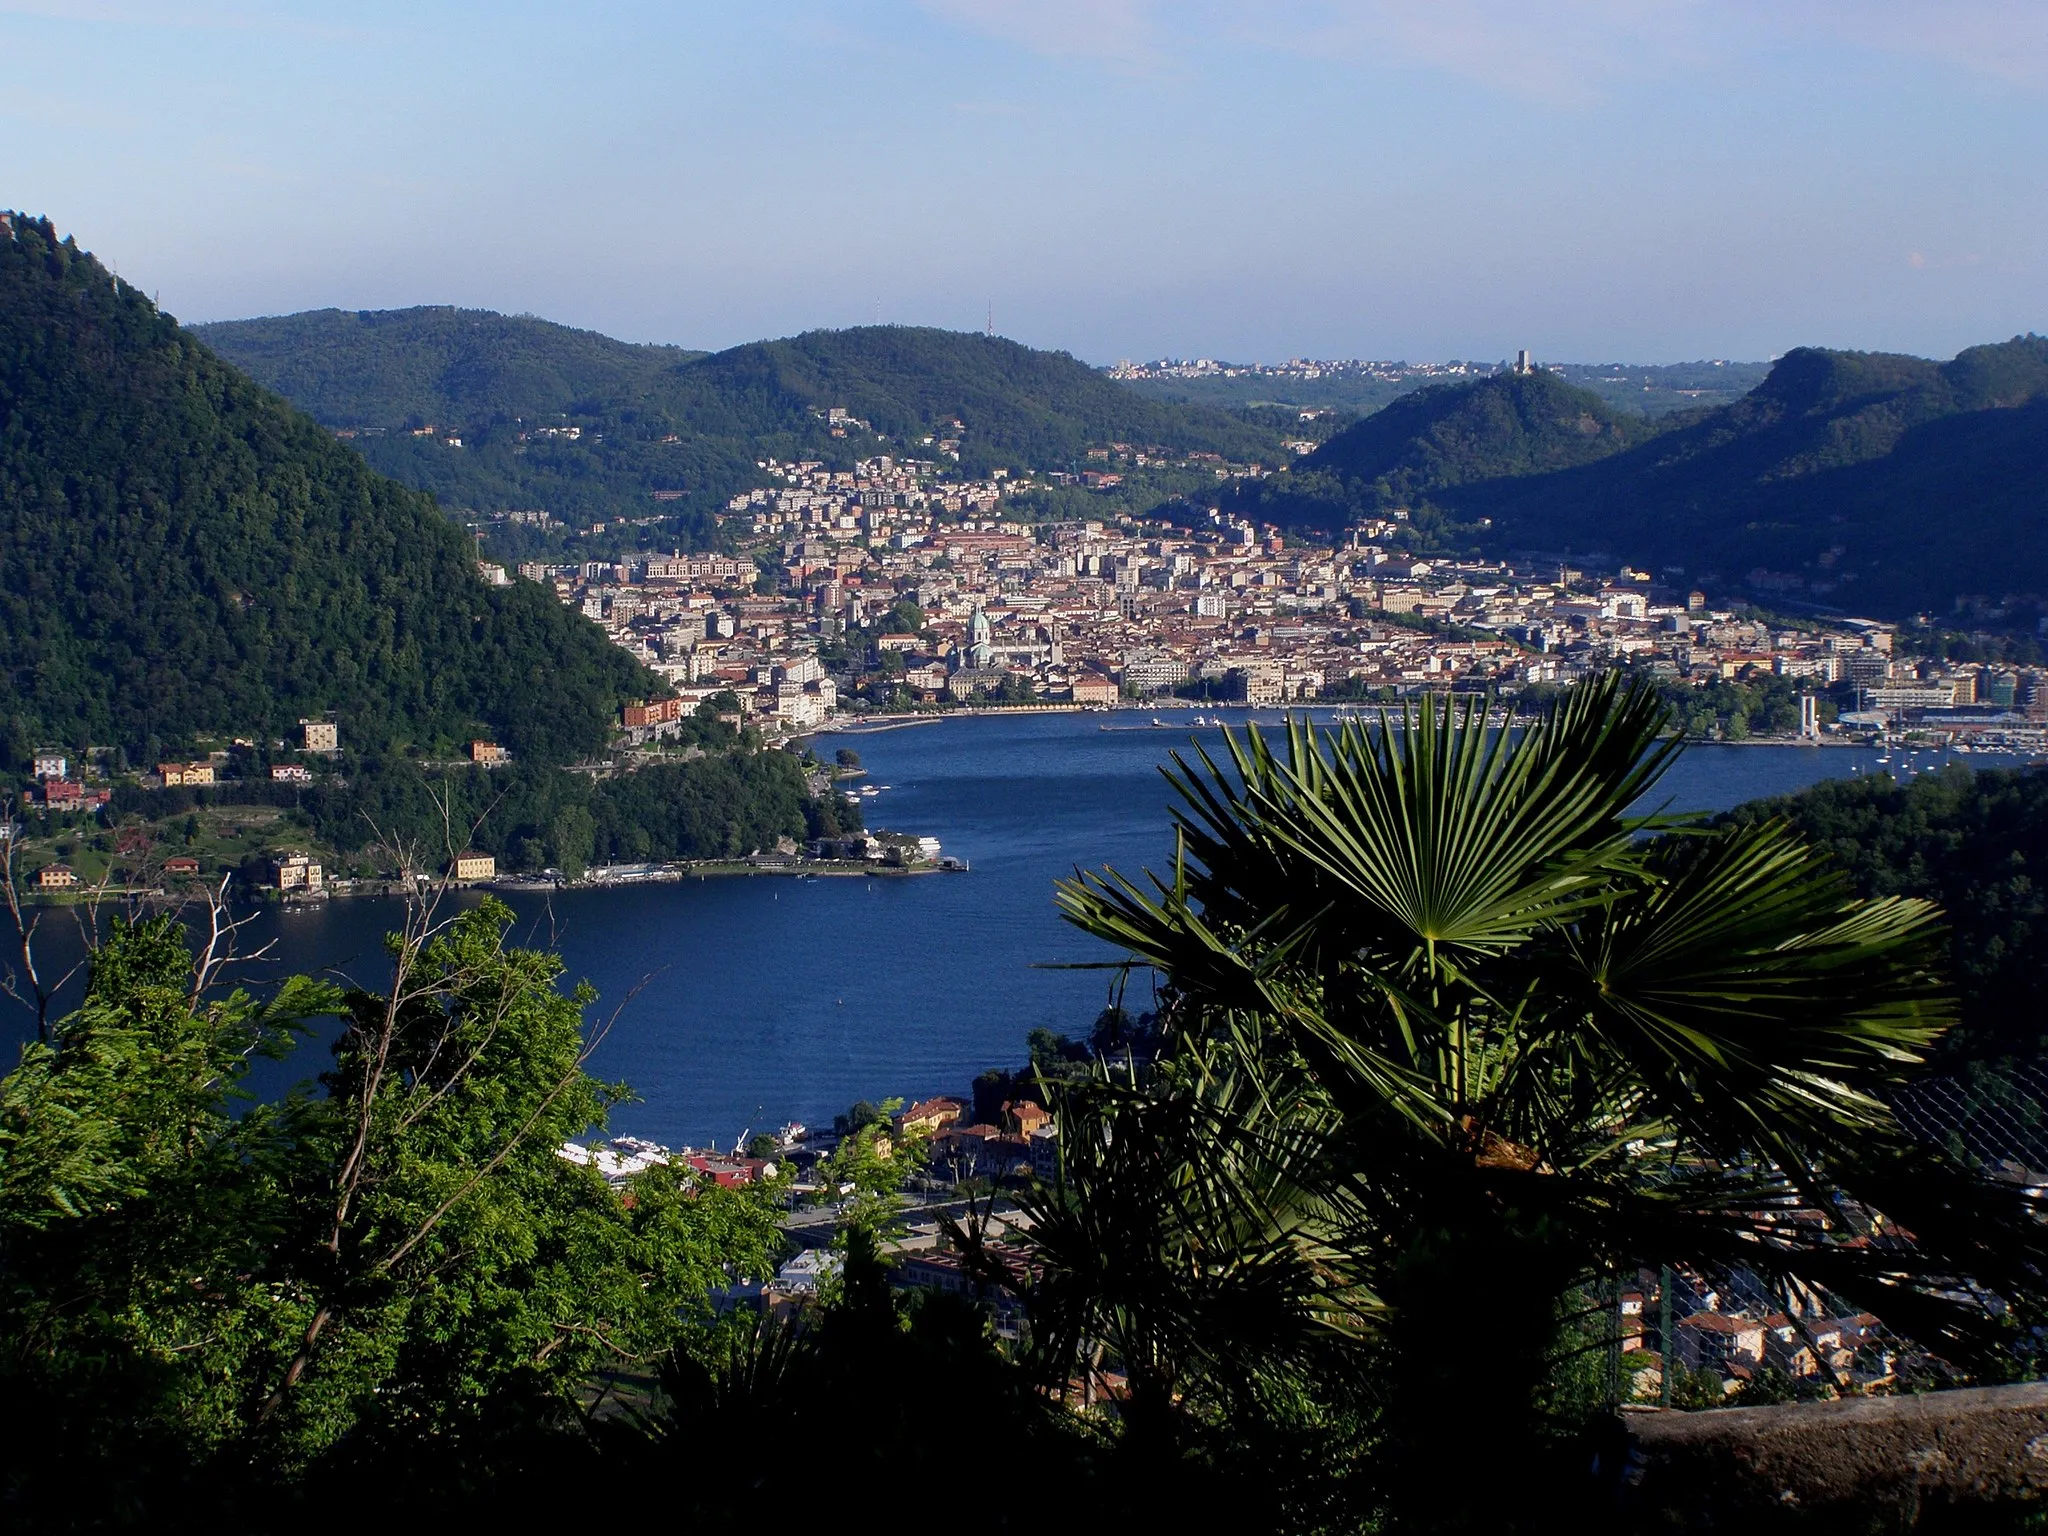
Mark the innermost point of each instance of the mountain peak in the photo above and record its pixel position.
(1504, 426)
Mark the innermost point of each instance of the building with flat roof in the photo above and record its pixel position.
(296, 872)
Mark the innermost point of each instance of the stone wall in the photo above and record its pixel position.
(1966, 1460)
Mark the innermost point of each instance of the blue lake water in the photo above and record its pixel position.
(769, 999)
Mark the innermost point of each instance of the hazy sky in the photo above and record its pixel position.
(1594, 179)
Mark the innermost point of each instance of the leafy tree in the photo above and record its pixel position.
(869, 1169)
(572, 837)
(862, 1114)
(906, 618)
(209, 1303)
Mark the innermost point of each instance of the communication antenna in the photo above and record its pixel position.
(991, 317)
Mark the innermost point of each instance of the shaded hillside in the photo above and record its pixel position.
(674, 433)
(1428, 445)
(1861, 480)
(185, 553)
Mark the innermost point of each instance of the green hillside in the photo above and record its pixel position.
(408, 367)
(1858, 480)
(185, 553)
(1972, 842)
(1865, 481)
(661, 420)
(1022, 408)
(1435, 441)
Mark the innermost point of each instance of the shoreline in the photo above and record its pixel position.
(399, 890)
(876, 725)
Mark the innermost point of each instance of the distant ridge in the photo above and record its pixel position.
(1855, 480)
(406, 367)
(688, 427)
(1867, 481)
(186, 554)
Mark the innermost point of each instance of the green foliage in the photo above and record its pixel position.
(1976, 843)
(887, 1389)
(187, 554)
(408, 367)
(869, 1170)
(205, 1300)
(862, 1114)
(722, 805)
(1734, 711)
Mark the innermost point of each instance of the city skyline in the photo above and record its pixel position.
(1114, 178)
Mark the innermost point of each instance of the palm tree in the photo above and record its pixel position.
(1452, 1036)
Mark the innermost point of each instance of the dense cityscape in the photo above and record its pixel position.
(894, 587)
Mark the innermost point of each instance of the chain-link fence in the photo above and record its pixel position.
(1685, 1339)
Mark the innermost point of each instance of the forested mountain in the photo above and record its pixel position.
(661, 420)
(1860, 480)
(183, 552)
(1857, 480)
(1437, 440)
(1457, 434)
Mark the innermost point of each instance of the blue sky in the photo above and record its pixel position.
(1642, 180)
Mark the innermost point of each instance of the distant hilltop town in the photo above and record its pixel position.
(1300, 368)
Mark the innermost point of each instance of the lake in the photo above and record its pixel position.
(769, 999)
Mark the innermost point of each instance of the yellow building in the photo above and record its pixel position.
(474, 866)
(488, 753)
(296, 872)
(185, 773)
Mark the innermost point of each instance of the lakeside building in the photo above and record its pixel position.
(296, 872)
(468, 867)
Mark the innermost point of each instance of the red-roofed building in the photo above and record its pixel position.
(730, 1172)
(930, 1115)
